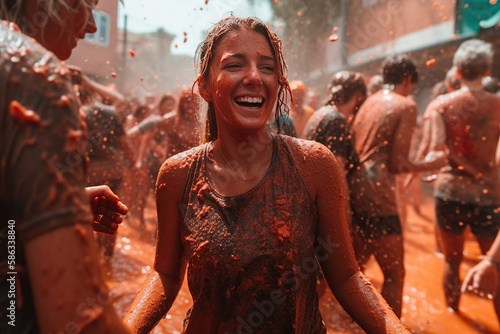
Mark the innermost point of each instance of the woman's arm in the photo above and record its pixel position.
(351, 288)
(162, 286)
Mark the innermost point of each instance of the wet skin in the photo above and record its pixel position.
(467, 124)
(243, 67)
(382, 132)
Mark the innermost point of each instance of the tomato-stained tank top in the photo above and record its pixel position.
(251, 262)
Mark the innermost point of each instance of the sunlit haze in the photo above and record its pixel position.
(177, 17)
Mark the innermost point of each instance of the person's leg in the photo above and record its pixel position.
(496, 301)
(361, 244)
(402, 197)
(416, 191)
(452, 217)
(484, 243)
(485, 226)
(452, 248)
(438, 249)
(389, 254)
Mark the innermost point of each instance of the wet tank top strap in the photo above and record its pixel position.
(193, 172)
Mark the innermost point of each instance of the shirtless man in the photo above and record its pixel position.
(451, 83)
(382, 132)
(467, 192)
(300, 113)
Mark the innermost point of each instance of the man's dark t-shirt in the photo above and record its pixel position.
(42, 163)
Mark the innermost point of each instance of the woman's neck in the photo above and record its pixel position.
(248, 149)
(238, 164)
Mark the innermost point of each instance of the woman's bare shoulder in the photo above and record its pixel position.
(308, 151)
(315, 162)
(174, 171)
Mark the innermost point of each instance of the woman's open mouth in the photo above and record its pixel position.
(249, 102)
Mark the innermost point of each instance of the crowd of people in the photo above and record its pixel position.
(264, 197)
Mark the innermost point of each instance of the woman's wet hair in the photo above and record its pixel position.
(141, 112)
(164, 98)
(397, 68)
(345, 85)
(206, 50)
(473, 58)
(185, 94)
(14, 11)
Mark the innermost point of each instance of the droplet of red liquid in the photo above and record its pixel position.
(333, 38)
(430, 62)
(113, 74)
(132, 53)
(335, 30)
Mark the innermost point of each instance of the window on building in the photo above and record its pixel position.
(101, 37)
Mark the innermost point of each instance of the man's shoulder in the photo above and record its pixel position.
(20, 51)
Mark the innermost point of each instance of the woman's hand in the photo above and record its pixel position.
(106, 208)
(482, 279)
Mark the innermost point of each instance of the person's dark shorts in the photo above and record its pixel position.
(453, 217)
(375, 227)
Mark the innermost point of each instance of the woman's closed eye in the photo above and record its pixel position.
(233, 66)
(268, 68)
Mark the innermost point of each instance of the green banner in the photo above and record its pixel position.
(473, 15)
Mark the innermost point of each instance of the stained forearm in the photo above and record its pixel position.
(367, 307)
(152, 303)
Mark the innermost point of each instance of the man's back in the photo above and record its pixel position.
(384, 118)
(376, 123)
(471, 121)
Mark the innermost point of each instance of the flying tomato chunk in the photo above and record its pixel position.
(333, 38)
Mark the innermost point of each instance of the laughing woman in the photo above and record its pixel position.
(249, 212)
